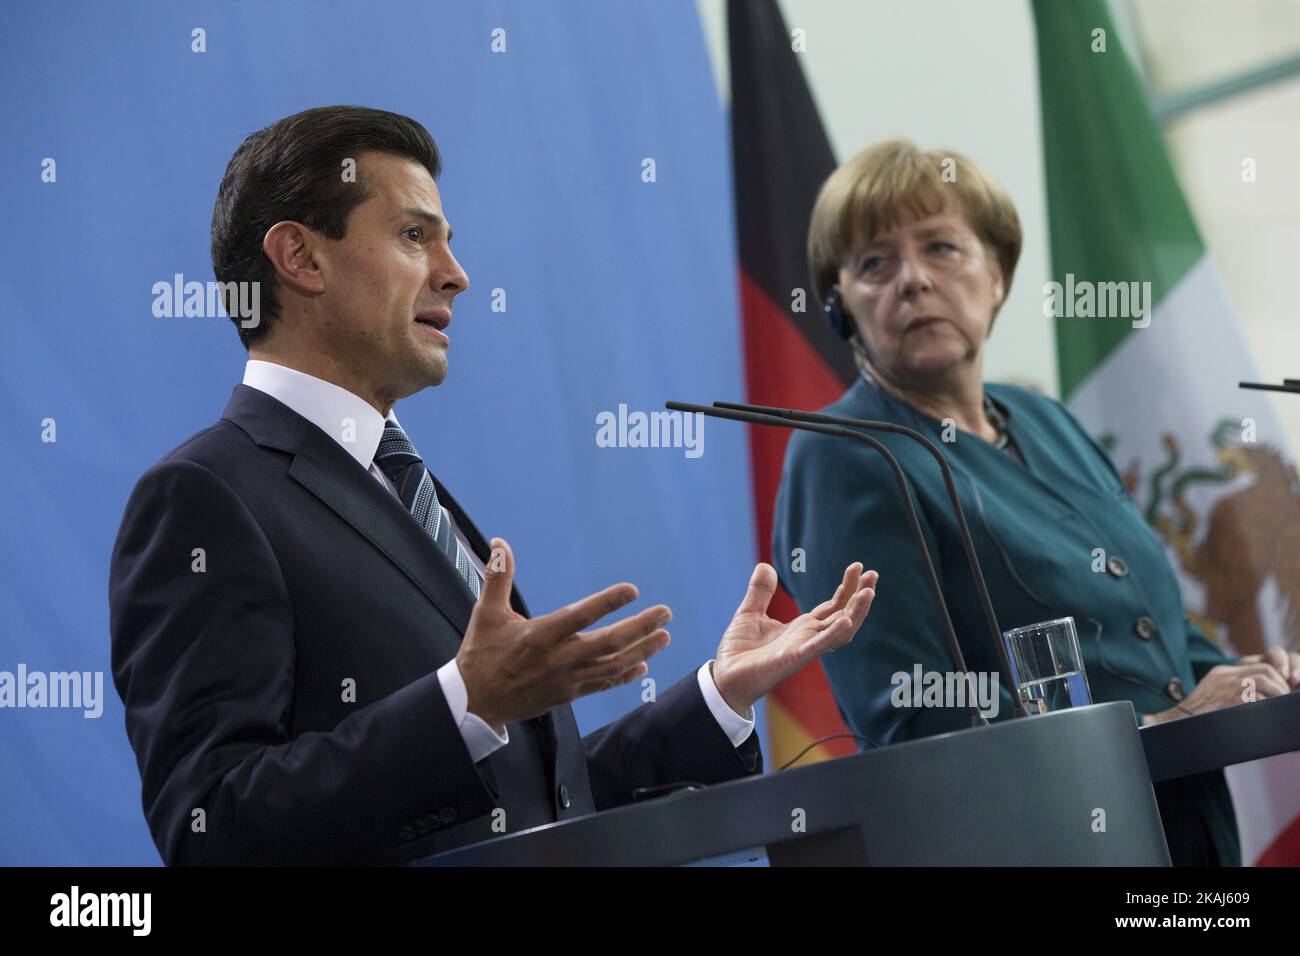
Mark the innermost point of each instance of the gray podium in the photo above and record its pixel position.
(1222, 738)
(1023, 792)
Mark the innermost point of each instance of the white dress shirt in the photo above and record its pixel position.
(357, 426)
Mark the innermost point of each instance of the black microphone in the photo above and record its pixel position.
(759, 418)
(977, 572)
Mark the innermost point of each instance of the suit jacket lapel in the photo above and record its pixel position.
(322, 467)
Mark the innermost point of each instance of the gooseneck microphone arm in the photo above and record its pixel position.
(758, 418)
(990, 617)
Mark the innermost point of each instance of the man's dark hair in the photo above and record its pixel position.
(293, 169)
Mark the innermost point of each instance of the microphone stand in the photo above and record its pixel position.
(758, 418)
(990, 617)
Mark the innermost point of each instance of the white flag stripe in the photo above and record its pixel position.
(1179, 377)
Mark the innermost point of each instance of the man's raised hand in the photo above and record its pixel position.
(757, 652)
(515, 667)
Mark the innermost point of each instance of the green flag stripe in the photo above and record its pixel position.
(1115, 210)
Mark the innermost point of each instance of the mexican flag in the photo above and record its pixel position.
(1150, 354)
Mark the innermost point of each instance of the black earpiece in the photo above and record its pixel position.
(840, 323)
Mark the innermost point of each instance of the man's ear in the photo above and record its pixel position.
(289, 246)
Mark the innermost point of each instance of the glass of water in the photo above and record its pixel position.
(1047, 666)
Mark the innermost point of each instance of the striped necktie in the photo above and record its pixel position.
(400, 461)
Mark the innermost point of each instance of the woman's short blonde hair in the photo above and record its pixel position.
(873, 189)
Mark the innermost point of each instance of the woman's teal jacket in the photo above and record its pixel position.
(1057, 536)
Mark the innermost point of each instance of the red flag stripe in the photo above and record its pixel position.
(781, 368)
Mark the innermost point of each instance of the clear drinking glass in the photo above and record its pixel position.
(1047, 666)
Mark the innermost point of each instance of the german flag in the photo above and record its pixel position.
(781, 156)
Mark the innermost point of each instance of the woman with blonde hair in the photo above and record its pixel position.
(912, 254)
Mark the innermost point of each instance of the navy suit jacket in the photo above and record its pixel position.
(277, 620)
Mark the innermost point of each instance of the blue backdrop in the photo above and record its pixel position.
(617, 291)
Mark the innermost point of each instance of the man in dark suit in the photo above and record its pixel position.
(321, 658)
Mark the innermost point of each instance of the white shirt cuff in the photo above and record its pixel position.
(736, 728)
(480, 739)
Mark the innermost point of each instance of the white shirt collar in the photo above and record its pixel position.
(326, 405)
